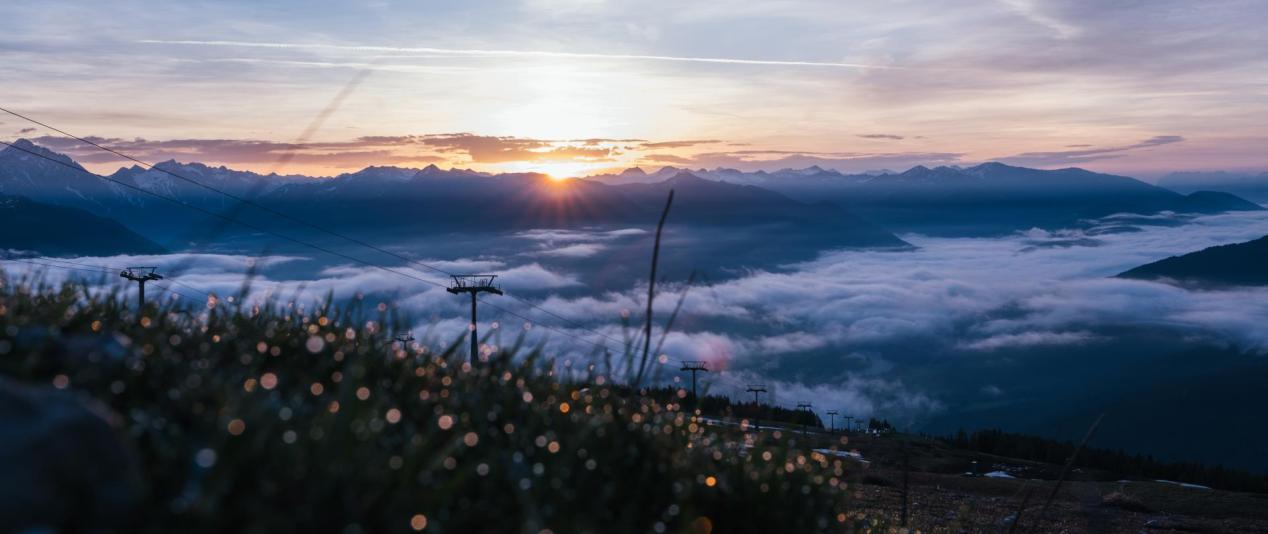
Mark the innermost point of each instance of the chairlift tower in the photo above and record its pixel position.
(805, 407)
(694, 367)
(405, 339)
(474, 284)
(755, 389)
(141, 275)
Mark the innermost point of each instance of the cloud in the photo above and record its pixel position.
(491, 149)
(1009, 76)
(465, 265)
(754, 160)
(855, 327)
(534, 277)
(681, 144)
(353, 154)
(579, 250)
(889, 137)
(1030, 339)
(550, 237)
(1034, 12)
(1083, 155)
(982, 295)
(523, 53)
(452, 148)
(669, 158)
(793, 342)
(468, 148)
(858, 396)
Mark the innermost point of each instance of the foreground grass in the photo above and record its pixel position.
(279, 420)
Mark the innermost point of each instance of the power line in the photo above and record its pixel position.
(94, 269)
(110, 269)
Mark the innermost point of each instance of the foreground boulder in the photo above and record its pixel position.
(64, 468)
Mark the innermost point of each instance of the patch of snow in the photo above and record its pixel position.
(853, 455)
(1185, 484)
(999, 474)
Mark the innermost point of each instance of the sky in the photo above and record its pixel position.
(574, 87)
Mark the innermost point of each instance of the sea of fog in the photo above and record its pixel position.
(924, 336)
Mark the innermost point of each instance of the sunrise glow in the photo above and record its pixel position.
(600, 85)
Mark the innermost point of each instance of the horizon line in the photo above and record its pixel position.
(611, 171)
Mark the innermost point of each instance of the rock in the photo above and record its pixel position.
(64, 467)
(1168, 524)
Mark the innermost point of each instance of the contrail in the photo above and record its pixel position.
(527, 53)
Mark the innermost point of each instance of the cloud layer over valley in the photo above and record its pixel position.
(855, 328)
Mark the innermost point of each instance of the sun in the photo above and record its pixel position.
(564, 170)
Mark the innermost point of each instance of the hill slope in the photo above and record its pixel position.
(1227, 265)
(59, 230)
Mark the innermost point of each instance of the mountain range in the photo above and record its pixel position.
(810, 208)
(400, 202)
(987, 199)
(1251, 186)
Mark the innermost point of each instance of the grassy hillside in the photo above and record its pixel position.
(282, 419)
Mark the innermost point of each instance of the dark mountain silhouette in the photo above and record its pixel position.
(1239, 264)
(705, 202)
(450, 201)
(998, 198)
(815, 206)
(404, 202)
(27, 171)
(991, 198)
(240, 183)
(1251, 186)
(26, 225)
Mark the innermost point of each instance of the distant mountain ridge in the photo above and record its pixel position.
(404, 201)
(842, 210)
(453, 201)
(991, 198)
(1251, 186)
(1224, 265)
(241, 183)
